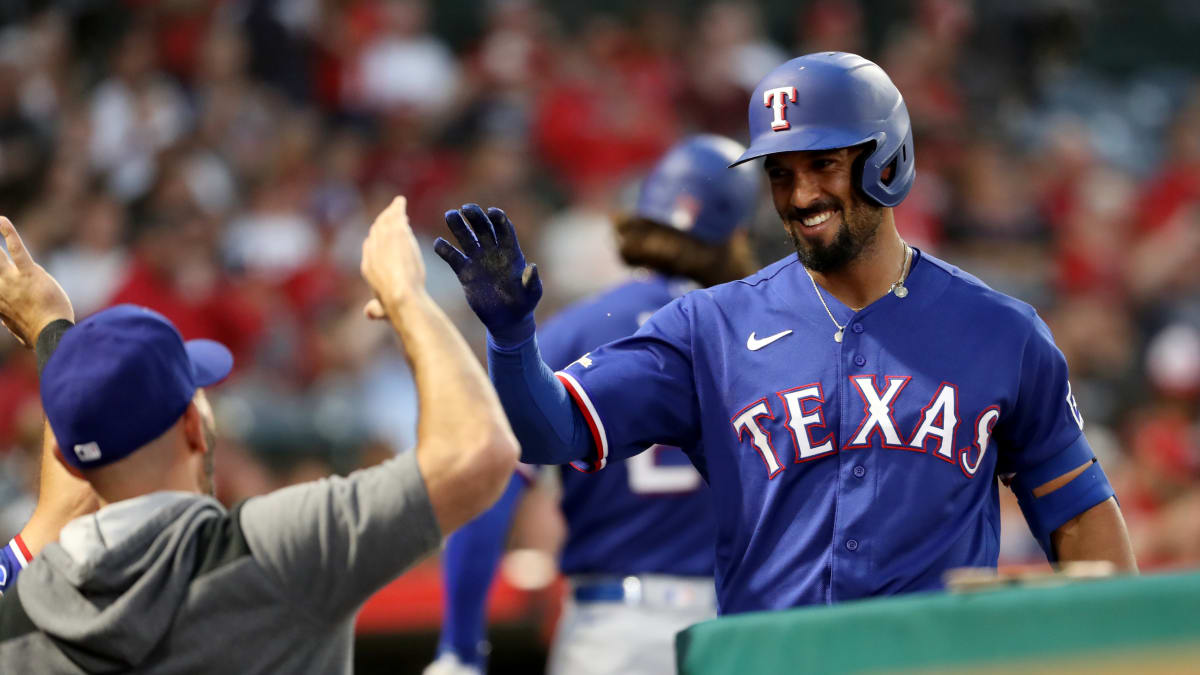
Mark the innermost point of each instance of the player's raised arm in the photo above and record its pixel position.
(503, 291)
(37, 312)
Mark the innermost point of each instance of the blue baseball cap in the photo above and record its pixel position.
(692, 190)
(121, 378)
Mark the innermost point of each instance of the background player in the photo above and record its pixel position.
(852, 406)
(639, 548)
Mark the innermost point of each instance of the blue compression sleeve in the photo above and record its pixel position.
(468, 566)
(549, 427)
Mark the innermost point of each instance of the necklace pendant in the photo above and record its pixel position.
(901, 291)
(837, 337)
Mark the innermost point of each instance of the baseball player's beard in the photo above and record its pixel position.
(857, 232)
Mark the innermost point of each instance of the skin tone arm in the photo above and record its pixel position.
(465, 448)
(30, 300)
(61, 499)
(1096, 534)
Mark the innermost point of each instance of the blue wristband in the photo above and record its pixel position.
(1051, 511)
(513, 337)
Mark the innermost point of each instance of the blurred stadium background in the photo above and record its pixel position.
(219, 160)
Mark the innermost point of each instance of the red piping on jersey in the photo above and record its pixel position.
(24, 550)
(593, 466)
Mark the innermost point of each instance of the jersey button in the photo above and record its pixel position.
(851, 544)
(860, 471)
(857, 328)
(860, 360)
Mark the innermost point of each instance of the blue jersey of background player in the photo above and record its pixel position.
(852, 406)
(653, 514)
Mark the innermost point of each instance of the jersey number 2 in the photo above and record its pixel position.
(648, 477)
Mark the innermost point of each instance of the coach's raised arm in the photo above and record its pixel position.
(336, 542)
(162, 578)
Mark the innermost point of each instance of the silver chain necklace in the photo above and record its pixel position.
(897, 287)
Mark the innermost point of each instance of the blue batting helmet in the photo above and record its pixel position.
(836, 100)
(692, 189)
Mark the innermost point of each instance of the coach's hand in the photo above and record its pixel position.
(30, 299)
(500, 287)
(391, 261)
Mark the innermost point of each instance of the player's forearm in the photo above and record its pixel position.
(1096, 534)
(550, 428)
(465, 447)
(469, 564)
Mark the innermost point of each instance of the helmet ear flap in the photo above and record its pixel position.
(887, 185)
(857, 170)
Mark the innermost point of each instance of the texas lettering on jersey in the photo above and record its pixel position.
(804, 418)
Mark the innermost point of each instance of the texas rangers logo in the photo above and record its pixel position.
(776, 99)
(804, 418)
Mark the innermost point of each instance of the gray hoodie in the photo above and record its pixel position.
(173, 583)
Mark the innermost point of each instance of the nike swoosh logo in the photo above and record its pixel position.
(754, 344)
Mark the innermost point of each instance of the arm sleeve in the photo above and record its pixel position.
(638, 391)
(550, 429)
(469, 564)
(628, 395)
(332, 543)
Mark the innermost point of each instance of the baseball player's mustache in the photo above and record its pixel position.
(798, 214)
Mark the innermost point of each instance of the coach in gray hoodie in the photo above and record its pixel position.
(162, 579)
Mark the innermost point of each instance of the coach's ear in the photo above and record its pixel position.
(193, 429)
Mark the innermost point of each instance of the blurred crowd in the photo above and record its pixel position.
(220, 160)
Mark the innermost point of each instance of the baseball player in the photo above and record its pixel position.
(639, 548)
(851, 406)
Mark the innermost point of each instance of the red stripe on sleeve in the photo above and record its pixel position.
(592, 464)
(24, 549)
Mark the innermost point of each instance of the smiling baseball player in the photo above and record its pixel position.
(851, 406)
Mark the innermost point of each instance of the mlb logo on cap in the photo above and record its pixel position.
(120, 379)
(87, 452)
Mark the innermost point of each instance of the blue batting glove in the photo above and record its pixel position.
(501, 289)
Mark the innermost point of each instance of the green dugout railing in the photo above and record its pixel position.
(1147, 624)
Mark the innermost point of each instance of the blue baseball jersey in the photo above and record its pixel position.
(840, 470)
(653, 513)
(14, 557)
